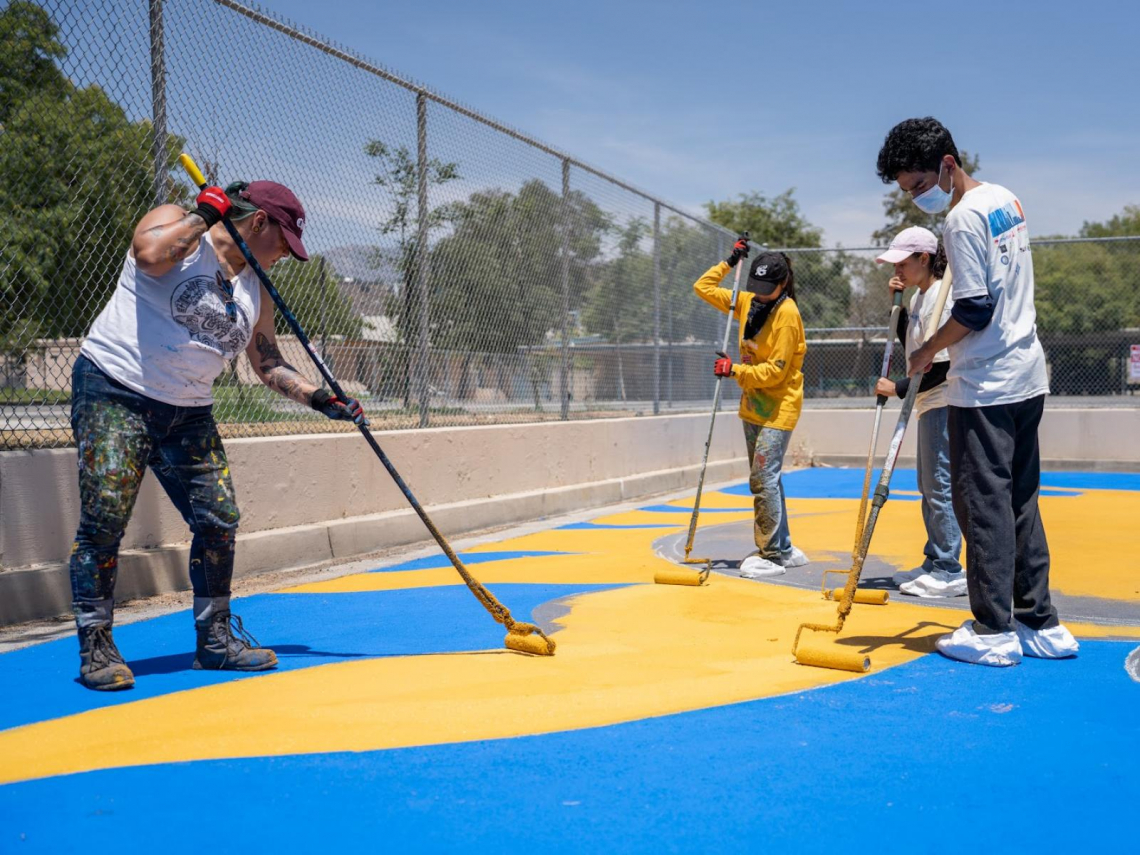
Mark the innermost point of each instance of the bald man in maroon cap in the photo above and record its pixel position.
(185, 304)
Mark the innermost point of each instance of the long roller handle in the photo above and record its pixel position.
(497, 610)
(880, 402)
(712, 419)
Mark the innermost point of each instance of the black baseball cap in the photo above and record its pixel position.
(766, 273)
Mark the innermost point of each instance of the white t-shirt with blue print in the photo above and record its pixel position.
(987, 246)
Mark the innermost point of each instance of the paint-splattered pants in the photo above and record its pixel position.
(119, 433)
(766, 448)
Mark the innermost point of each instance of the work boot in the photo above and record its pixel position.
(224, 645)
(101, 666)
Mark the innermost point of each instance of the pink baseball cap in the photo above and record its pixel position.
(907, 242)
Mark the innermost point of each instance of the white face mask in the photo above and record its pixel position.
(935, 200)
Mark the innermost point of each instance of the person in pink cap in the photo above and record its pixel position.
(920, 262)
(185, 304)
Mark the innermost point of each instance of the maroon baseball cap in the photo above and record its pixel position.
(284, 208)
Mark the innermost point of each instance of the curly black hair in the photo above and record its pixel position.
(915, 145)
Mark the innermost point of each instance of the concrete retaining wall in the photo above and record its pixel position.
(317, 498)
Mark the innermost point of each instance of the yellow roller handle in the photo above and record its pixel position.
(192, 169)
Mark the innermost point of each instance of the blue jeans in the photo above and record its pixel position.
(119, 433)
(943, 537)
(766, 448)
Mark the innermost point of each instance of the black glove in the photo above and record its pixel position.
(739, 250)
(347, 410)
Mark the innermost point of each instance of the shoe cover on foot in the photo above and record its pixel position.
(1132, 664)
(903, 576)
(964, 644)
(936, 584)
(755, 567)
(1053, 643)
(795, 558)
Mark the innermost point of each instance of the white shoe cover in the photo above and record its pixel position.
(1132, 664)
(1053, 643)
(795, 558)
(936, 584)
(965, 645)
(755, 567)
(904, 576)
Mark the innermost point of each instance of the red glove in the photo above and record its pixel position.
(739, 250)
(723, 366)
(213, 204)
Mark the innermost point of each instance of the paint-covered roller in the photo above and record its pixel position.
(528, 642)
(833, 657)
(862, 595)
(681, 576)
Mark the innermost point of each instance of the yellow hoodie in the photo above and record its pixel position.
(771, 377)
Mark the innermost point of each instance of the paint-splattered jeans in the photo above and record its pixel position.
(766, 448)
(119, 433)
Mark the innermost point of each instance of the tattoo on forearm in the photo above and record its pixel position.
(192, 228)
(279, 374)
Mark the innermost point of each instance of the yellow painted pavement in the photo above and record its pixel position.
(637, 651)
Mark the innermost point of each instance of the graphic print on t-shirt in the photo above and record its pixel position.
(199, 305)
(1005, 218)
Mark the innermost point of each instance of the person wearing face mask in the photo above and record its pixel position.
(185, 304)
(919, 262)
(772, 347)
(995, 394)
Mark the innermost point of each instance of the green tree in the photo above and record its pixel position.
(496, 280)
(399, 174)
(772, 222)
(30, 49)
(901, 212)
(1085, 294)
(823, 290)
(619, 305)
(1124, 224)
(310, 289)
(75, 177)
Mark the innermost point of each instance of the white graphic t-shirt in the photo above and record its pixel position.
(168, 337)
(920, 320)
(987, 245)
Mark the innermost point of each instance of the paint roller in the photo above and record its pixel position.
(831, 656)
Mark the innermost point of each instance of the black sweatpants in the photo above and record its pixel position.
(995, 469)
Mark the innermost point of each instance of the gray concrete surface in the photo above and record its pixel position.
(729, 543)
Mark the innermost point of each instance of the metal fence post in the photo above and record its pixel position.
(158, 102)
(421, 372)
(565, 366)
(656, 308)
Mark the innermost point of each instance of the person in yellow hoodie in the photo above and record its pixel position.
(772, 348)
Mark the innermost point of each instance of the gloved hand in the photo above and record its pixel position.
(213, 204)
(723, 366)
(347, 410)
(739, 250)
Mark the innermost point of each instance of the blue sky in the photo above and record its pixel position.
(698, 101)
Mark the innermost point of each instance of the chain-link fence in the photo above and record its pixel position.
(462, 272)
(1087, 295)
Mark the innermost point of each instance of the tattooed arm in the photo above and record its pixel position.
(268, 363)
(164, 237)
